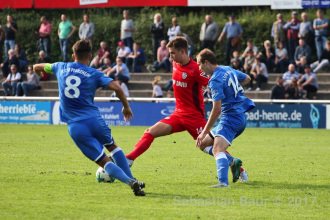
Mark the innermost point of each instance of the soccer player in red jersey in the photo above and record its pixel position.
(188, 83)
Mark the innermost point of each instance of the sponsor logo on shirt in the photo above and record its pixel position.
(180, 84)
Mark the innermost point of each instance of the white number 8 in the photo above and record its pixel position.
(74, 87)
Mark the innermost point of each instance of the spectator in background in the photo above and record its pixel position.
(292, 91)
(287, 76)
(11, 81)
(267, 55)
(302, 50)
(20, 54)
(278, 31)
(292, 27)
(123, 87)
(136, 57)
(127, 29)
(258, 73)
(281, 58)
(44, 59)
(86, 29)
(208, 34)
(301, 66)
(249, 61)
(157, 33)
(162, 59)
(106, 66)
(119, 71)
(234, 32)
(44, 33)
(306, 31)
(236, 64)
(249, 46)
(320, 25)
(278, 91)
(123, 51)
(172, 31)
(10, 36)
(65, 31)
(33, 82)
(308, 83)
(324, 59)
(11, 59)
(103, 52)
(1, 37)
(190, 43)
(157, 90)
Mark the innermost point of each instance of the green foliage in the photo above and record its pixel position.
(256, 23)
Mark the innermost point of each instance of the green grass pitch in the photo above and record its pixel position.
(45, 176)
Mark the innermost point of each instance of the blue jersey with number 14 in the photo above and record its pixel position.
(77, 85)
(224, 85)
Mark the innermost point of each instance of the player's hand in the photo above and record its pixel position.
(128, 114)
(199, 139)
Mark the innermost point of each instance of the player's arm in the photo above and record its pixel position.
(245, 81)
(42, 67)
(127, 112)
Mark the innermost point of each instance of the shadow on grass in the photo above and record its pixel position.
(284, 185)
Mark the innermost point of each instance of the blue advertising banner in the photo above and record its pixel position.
(315, 3)
(25, 112)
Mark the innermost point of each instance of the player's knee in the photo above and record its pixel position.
(110, 147)
(147, 130)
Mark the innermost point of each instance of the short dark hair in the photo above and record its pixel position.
(178, 43)
(82, 49)
(208, 55)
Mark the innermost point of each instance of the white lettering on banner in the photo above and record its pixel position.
(270, 116)
(90, 2)
(286, 4)
(180, 84)
(22, 109)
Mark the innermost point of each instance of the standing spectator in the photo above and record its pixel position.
(249, 60)
(190, 43)
(278, 30)
(234, 32)
(44, 59)
(162, 59)
(44, 36)
(302, 50)
(11, 81)
(267, 55)
(33, 82)
(123, 51)
(11, 59)
(258, 73)
(308, 83)
(157, 33)
(292, 27)
(292, 91)
(11, 30)
(157, 90)
(209, 33)
(320, 25)
(119, 71)
(278, 91)
(65, 31)
(306, 31)
(127, 29)
(301, 66)
(324, 59)
(136, 57)
(20, 54)
(281, 57)
(249, 46)
(1, 37)
(172, 31)
(102, 53)
(86, 29)
(287, 76)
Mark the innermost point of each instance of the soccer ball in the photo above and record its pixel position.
(102, 176)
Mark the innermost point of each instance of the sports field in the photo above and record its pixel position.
(45, 176)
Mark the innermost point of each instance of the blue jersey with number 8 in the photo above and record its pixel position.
(224, 85)
(77, 85)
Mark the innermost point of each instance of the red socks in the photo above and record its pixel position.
(141, 146)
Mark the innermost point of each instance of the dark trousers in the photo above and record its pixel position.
(309, 90)
(229, 49)
(135, 62)
(292, 44)
(44, 44)
(155, 45)
(260, 79)
(128, 42)
(207, 44)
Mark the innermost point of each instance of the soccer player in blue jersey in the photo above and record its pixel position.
(229, 101)
(77, 85)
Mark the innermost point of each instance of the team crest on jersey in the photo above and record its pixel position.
(184, 75)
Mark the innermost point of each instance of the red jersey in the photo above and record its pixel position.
(188, 81)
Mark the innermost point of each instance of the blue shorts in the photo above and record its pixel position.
(230, 127)
(90, 135)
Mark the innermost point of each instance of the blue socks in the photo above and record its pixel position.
(209, 149)
(115, 171)
(121, 161)
(229, 157)
(222, 167)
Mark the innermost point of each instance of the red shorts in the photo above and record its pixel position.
(194, 125)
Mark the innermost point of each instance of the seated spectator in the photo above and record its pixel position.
(33, 82)
(249, 46)
(123, 51)
(106, 66)
(236, 64)
(324, 59)
(258, 73)
(157, 90)
(11, 81)
(308, 83)
(123, 87)
(11, 59)
(302, 50)
(301, 66)
(287, 76)
(281, 58)
(20, 54)
(44, 59)
(249, 61)
(119, 71)
(236, 56)
(190, 43)
(292, 91)
(278, 91)
(267, 55)
(96, 63)
(136, 57)
(162, 59)
(102, 53)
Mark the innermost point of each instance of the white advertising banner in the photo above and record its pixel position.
(91, 2)
(286, 4)
(228, 2)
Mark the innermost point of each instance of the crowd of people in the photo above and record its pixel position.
(293, 43)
